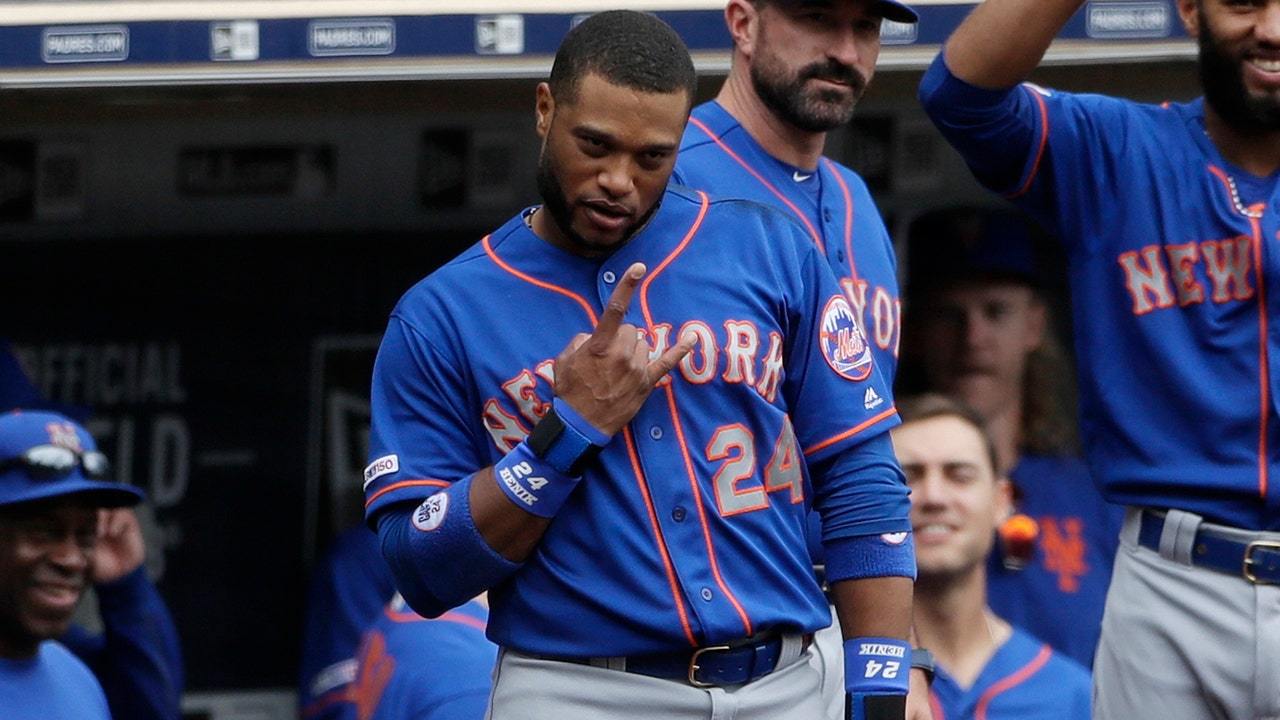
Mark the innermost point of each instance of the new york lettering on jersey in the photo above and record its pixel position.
(1191, 281)
(713, 463)
(833, 204)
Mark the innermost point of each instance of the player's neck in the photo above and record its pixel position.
(1005, 426)
(954, 622)
(1258, 154)
(780, 139)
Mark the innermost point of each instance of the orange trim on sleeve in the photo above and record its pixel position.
(1044, 142)
(852, 431)
(441, 484)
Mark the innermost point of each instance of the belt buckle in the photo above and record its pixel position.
(693, 665)
(1248, 559)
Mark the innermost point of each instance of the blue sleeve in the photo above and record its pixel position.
(994, 130)
(347, 590)
(138, 657)
(436, 554)
(862, 491)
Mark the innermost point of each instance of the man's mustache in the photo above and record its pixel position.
(836, 72)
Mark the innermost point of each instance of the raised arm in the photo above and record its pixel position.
(474, 533)
(603, 378)
(1002, 41)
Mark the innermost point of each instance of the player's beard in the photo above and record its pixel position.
(1222, 77)
(557, 204)
(810, 110)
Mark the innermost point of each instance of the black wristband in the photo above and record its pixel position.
(922, 659)
(876, 707)
(564, 448)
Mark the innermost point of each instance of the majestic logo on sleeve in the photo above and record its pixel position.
(843, 344)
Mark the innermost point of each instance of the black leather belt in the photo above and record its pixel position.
(731, 664)
(1257, 561)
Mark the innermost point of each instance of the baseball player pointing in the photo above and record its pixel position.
(1169, 215)
(615, 412)
(609, 375)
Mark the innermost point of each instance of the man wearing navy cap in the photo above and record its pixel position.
(977, 328)
(53, 482)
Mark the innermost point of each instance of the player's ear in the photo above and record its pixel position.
(544, 107)
(743, 21)
(1003, 499)
(1189, 11)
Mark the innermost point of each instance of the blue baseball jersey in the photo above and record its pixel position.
(1059, 594)
(690, 527)
(53, 685)
(833, 204)
(1170, 256)
(1024, 680)
(348, 588)
(411, 668)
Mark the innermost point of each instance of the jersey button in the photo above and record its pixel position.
(678, 514)
(826, 215)
(609, 277)
(706, 594)
(655, 432)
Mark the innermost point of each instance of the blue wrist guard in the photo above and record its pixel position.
(533, 483)
(877, 675)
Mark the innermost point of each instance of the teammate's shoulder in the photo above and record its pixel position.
(708, 123)
(754, 211)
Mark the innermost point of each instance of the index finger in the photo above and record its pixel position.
(619, 301)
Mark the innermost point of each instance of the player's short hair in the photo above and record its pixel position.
(626, 48)
(927, 406)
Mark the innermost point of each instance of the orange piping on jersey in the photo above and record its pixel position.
(675, 417)
(344, 693)
(1264, 388)
(848, 220)
(657, 536)
(488, 249)
(817, 238)
(936, 707)
(1026, 671)
(665, 554)
(1263, 362)
(852, 431)
(1044, 141)
(406, 484)
(407, 616)
(702, 511)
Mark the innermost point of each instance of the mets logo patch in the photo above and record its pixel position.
(895, 538)
(431, 512)
(843, 344)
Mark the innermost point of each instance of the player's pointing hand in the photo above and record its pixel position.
(607, 375)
